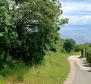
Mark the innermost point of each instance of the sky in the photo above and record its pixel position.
(79, 14)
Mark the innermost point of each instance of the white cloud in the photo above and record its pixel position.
(79, 14)
(76, 6)
(72, 12)
(78, 19)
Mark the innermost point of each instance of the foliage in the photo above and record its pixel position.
(69, 45)
(54, 70)
(78, 48)
(37, 24)
(27, 32)
(13, 72)
(89, 55)
(8, 37)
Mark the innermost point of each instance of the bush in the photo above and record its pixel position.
(69, 45)
(89, 55)
(77, 48)
(53, 49)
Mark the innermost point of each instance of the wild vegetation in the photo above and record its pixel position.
(87, 47)
(83, 49)
(69, 45)
(28, 30)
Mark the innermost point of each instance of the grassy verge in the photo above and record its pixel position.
(54, 70)
(75, 53)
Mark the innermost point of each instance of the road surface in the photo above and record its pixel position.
(81, 76)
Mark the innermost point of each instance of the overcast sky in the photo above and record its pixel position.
(79, 14)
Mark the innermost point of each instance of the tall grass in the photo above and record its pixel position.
(13, 72)
(54, 70)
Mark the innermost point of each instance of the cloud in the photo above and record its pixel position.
(78, 20)
(75, 0)
(78, 13)
(70, 7)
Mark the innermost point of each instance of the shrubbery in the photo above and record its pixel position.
(89, 55)
(27, 30)
(69, 45)
(78, 48)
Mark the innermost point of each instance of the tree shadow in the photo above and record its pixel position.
(89, 70)
(87, 65)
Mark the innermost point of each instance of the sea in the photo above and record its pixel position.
(81, 34)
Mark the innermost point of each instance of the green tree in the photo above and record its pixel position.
(7, 31)
(69, 45)
(37, 24)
